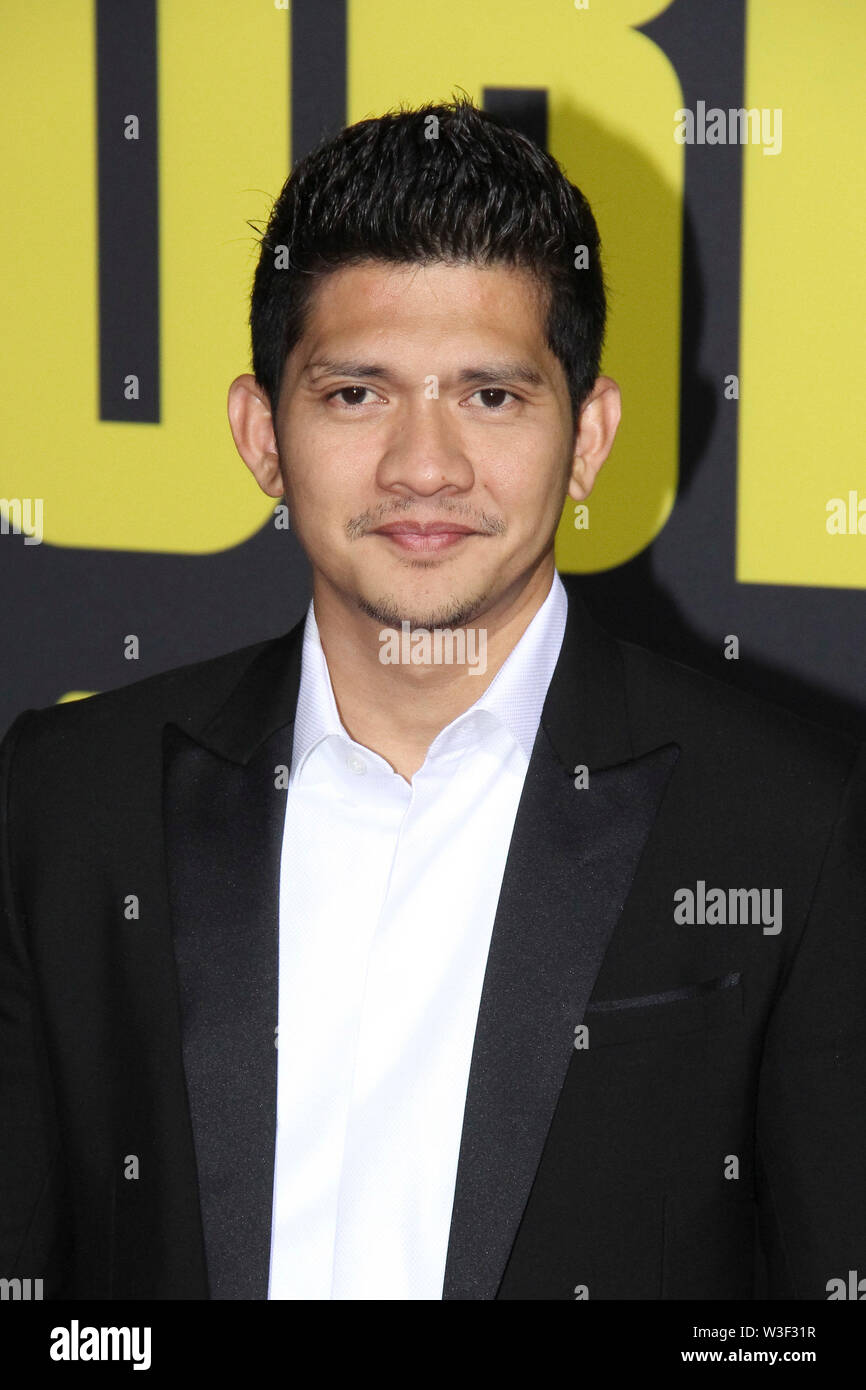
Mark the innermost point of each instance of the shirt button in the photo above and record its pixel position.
(356, 763)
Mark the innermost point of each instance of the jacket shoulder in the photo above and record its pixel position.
(187, 695)
(734, 726)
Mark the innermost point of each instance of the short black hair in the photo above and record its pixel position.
(438, 183)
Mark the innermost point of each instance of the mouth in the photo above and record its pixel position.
(436, 536)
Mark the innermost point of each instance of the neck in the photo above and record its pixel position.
(397, 709)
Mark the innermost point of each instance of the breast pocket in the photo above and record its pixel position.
(690, 1008)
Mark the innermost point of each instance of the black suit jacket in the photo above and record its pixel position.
(708, 1142)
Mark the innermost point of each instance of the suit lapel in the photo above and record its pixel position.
(223, 815)
(571, 862)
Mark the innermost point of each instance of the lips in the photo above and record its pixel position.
(424, 537)
(432, 528)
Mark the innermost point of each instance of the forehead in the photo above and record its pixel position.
(431, 301)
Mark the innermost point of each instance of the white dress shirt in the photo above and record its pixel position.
(388, 892)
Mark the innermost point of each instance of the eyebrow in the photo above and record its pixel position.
(486, 373)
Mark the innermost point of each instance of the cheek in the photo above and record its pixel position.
(338, 458)
(529, 486)
(326, 492)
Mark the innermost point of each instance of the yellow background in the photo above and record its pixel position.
(178, 486)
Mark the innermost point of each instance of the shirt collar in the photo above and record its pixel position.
(513, 699)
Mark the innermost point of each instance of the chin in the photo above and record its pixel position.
(391, 609)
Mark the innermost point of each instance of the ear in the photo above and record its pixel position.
(252, 429)
(596, 429)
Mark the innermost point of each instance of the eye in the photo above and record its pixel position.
(494, 391)
(346, 390)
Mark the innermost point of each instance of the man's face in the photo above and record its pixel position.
(424, 397)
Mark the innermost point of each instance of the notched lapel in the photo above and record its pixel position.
(571, 863)
(223, 832)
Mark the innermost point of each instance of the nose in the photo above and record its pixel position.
(425, 454)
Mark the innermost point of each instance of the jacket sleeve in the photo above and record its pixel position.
(811, 1116)
(32, 1213)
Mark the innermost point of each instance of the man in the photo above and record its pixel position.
(331, 969)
